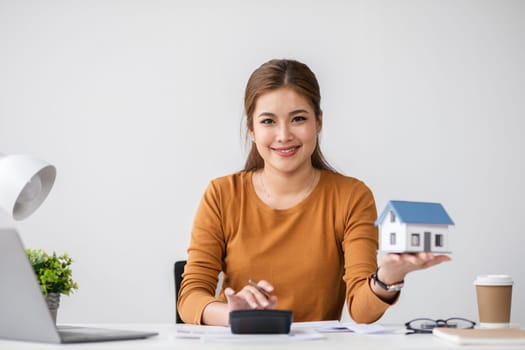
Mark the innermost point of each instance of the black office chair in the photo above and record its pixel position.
(178, 269)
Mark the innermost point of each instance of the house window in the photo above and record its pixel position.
(393, 238)
(439, 240)
(415, 240)
(392, 216)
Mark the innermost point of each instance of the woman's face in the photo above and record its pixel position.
(285, 130)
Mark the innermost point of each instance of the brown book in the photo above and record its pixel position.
(501, 336)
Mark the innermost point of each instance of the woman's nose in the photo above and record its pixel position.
(284, 133)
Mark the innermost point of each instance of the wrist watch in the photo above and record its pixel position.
(396, 287)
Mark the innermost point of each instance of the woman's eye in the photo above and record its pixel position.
(266, 121)
(299, 119)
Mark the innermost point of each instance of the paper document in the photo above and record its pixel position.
(299, 331)
(336, 326)
(190, 331)
(224, 334)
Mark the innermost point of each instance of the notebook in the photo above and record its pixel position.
(501, 336)
(23, 310)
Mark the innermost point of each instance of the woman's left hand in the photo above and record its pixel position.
(394, 267)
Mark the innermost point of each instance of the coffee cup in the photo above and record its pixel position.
(494, 296)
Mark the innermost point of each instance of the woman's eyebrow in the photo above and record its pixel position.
(266, 114)
(270, 114)
(298, 111)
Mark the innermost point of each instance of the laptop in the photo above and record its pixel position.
(23, 310)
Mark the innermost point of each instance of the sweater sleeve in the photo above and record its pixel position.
(360, 245)
(205, 252)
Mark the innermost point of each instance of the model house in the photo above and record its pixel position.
(414, 227)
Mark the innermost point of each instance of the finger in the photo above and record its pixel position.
(443, 257)
(437, 260)
(265, 285)
(272, 302)
(229, 293)
(260, 287)
(248, 295)
(259, 298)
(234, 302)
(426, 256)
(424, 260)
(411, 259)
(391, 257)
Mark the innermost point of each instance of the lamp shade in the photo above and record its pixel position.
(25, 182)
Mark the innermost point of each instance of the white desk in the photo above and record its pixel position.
(167, 340)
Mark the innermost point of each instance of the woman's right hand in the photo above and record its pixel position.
(250, 297)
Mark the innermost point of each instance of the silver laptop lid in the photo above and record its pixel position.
(23, 311)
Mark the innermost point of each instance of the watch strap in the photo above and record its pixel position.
(395, 287)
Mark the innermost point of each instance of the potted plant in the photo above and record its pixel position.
(54, 275)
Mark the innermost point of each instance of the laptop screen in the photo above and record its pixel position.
(24, 314)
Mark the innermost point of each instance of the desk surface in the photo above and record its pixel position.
(167, 340)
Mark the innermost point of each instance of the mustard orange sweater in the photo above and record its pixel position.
(316, 254)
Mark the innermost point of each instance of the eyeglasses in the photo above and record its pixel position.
(426, 325)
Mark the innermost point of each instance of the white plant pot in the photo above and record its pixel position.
(53, 302)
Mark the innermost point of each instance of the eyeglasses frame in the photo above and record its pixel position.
(438, 324)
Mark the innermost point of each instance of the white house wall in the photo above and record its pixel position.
(385, 229)
(421, 229)
(403, 236)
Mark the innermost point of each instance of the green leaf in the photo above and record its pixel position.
(53, 272)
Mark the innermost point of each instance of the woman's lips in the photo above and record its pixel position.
(286, 151)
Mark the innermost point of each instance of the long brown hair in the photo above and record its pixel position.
(276, 74)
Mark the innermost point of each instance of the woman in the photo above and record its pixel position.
(288, 221)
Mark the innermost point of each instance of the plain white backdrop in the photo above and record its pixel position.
(139, 106)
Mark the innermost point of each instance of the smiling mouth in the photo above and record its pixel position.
(286, 151)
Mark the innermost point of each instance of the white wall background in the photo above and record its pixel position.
(139, 105)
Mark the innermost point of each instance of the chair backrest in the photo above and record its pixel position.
(178, 269)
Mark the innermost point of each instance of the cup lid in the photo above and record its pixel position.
(493, 280)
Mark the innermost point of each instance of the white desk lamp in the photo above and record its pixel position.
(25, 182)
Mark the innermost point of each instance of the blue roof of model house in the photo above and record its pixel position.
(417, 213)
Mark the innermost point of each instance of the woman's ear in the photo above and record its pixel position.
(319, 122)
